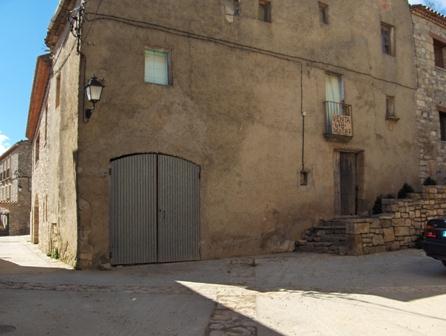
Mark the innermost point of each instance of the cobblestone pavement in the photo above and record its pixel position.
(401, 293)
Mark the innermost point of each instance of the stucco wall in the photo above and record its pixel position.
(234, 109)
(430, 95)
(54, 176)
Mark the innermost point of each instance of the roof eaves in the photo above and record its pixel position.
(429, 14)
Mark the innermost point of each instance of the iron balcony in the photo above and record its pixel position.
(338, 121)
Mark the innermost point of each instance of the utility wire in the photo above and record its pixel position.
(231, 44)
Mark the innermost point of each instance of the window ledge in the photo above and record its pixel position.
(392, 118)
(440, 68)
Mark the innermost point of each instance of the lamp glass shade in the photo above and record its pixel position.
(94, 90)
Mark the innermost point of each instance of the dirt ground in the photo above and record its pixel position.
(400, 293)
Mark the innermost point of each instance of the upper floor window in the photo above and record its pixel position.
(37, 149)
(46, 126)
(58, 79)
(323, 12)
(158, 67)
(388, 39)
(334, 88)
(264, 13)
(232, 8)
(390, 107)
(439, 53)
(442, 125)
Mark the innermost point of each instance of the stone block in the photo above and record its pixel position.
(378, 240)
(389, 235)
(354, 245)
(386, 223)
(374, 249)
(393, 246)
(358, 228)
(402, 231)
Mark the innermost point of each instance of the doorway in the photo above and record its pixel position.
(349, 183)
(154, 210)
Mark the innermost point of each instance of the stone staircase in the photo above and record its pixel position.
(328, 237)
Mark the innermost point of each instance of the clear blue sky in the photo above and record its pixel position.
(23, 26)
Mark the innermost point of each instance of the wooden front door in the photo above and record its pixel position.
(349, 183)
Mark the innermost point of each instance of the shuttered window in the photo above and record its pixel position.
(157, 67)
(388, 39)
(439, 53)
(443, 126)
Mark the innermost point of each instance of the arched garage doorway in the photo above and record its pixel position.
(154, 215)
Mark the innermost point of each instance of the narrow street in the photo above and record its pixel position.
(401, 293)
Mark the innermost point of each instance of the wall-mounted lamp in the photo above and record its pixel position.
(93, 90)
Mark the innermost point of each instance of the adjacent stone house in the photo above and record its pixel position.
(225, 128)
(430, 47)
(15, 189)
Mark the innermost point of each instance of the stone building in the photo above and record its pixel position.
(430, 46)
(225, 128)
(15, 189)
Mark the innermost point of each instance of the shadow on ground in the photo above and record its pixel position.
(211, 295)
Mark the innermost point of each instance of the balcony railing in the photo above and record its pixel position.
(338, 121)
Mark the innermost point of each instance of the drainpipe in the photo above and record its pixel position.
(303, 172)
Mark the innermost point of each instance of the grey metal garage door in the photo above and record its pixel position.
(154, 210)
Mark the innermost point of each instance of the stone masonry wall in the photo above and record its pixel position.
(431, 95)
(19, 206)
(400, 225)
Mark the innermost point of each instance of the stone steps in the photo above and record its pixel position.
(328, 237)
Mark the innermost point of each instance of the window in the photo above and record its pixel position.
(323, 12)
(232, 8)
(37, 149)
(264, 13)
(58, 91)
(157, 67)
(236, 7)
(387, 39)
(46, 126)
(439, 52)
(443, 126)
(46, 208)
(334, 88)
(390, 107)
(334, 99)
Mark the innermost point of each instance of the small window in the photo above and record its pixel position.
(236, 7)
(46, 126)
(439, 52)
(390, 107)
(157, 67)
(264, 13)
(387, 39)
(58, 91)
(232, 9)
(323, 12)
(37, 149)
(443, 126)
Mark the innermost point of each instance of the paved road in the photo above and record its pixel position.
(401, 293)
